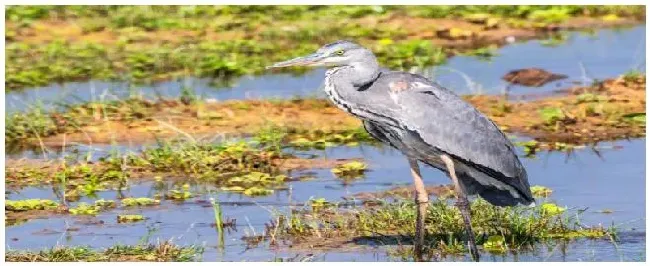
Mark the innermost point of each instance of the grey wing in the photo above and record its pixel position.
(445, 121)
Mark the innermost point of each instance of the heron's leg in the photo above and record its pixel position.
(463, 206)
(422, 199)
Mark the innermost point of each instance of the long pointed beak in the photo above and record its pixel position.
(310, 60)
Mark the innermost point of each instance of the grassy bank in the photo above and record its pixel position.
(143, 44)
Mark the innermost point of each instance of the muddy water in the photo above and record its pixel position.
(614, 181)
(583, 57)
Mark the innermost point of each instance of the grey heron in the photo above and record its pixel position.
(427, 123)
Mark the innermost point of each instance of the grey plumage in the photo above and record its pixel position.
(423, 120)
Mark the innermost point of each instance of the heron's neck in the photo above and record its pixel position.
(363, 73)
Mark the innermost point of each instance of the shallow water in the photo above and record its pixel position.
(615, 181)
(582, 57)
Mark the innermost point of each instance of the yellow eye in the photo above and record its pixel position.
(339, 52)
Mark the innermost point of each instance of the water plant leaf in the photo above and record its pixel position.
(127, 202)
(552, 209)
(541, 191)
(635, 117)
(551, 114)
(353, 169)
(495, 243)
(30, 204)
(257, 191)
(85, 209)
(129, 218)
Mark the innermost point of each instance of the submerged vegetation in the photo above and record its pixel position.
(48, 44)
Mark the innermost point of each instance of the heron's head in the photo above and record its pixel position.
(340, 53)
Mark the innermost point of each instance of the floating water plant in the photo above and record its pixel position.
(319, 204)
(30, 204)
(551, 209)
(495, 243)
(321, 139)
(541, 191)
(128, 202)
(129, 218)
(179, 195)
(85, 209)
(352, 169)
(162, 251)
(257, 191)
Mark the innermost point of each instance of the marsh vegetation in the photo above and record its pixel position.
(185, 177)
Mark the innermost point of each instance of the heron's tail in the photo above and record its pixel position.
(492, 190)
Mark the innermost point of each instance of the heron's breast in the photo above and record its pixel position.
(333, 94)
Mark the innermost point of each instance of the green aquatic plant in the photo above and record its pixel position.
(34, 123)
(254, 184)
(129, 202)
(30, 204)
(352, 169)
(257, 191)
(218, 220)
(207, 161)
(484, 53)
(638, 118)
(319, 204)
(85, 209)
(180, 195)
(552, 116)
(271, 136)
(541, 191)
(26, 176)
(551, 209)
(322, 139)
(553, 15)
(162, 251)
(130, 218)
(495, 244)
(105, 204)
(498, 229)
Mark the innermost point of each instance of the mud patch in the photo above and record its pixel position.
(610, 110)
